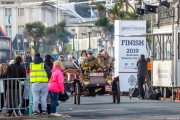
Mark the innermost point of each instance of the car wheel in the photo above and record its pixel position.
(117, 92)
(74, 98)
(77, 88)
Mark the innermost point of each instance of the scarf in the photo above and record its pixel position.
(89, 59)
(105, 58)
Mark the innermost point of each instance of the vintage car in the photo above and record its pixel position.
(93, 84)
(70, 72)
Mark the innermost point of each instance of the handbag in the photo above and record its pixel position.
(63, 97)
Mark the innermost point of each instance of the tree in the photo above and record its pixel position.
(148, 30)
(58, 36)
(35, 32)
(117, 12)
(104, 23)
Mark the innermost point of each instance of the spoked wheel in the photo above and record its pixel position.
(77, 93)
(117, 94)
(75, 99)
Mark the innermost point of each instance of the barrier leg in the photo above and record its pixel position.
(30, 100)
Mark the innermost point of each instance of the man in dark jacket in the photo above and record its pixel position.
(39, 77)
(141, 74)
(28, 57)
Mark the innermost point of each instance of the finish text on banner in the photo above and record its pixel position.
(130, 50)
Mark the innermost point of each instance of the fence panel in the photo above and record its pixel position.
(14, 96)
(158, 46)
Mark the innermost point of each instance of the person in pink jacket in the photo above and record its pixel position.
(55, 86)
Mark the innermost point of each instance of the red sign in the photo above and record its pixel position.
(107, 88)
(96, 74)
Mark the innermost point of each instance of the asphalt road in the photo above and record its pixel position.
(102, 108)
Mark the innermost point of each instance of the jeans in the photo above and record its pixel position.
(141, 80)
(54, 100)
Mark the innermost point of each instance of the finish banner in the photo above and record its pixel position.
(130, 43)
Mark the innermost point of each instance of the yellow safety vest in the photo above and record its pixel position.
(38, 73)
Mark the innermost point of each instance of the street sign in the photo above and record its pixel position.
(128, 49)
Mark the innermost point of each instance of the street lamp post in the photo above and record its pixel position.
(19, 40)
(31, 96)
(73, 33)
(99, 44)
(89, 30)
(25, 41)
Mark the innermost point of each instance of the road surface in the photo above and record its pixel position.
(102, 108)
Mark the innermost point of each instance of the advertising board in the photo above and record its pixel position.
(162, 73)
(128, 49)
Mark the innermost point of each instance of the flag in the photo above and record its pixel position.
(93, 14)
(9, 18)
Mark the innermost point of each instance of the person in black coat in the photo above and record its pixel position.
(141, 74)
(12, 86)
(16, 70)
(48, 61)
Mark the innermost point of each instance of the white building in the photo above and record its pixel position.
(21, 14)
(49, 12)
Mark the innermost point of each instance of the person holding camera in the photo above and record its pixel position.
(55, 86)
(141, 74)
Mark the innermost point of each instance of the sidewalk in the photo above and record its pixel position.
(31, 117)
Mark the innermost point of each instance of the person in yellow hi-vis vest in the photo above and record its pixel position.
(40, 74)
(149, 67)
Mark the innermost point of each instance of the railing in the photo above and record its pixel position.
(159, 46)
(14, 95)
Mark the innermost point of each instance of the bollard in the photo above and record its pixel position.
(30, 100)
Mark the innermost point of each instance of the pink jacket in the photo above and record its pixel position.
(56, 82)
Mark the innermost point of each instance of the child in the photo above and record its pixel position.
(55, 86)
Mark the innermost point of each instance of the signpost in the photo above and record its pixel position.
(128, 48)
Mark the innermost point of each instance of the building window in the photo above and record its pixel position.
(33, 12)
(21, 12)
(20, 28)
(4, 44)
(9, 31)
(8, 11)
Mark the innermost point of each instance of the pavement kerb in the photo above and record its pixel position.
(31, 117)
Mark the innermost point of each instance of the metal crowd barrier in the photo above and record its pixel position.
(14, 95)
